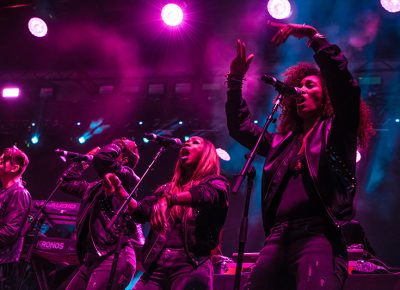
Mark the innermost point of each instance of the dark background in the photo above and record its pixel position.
(160, 76)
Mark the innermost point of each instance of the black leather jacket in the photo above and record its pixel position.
(331, 147)
(15, 202)
(96, 209)
(201, 230)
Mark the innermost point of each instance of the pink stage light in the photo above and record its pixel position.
(11, 92)
(37, 27)
(279, 9)
(172, 14)
(391, 5)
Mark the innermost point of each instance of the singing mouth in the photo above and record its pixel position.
(184, 152)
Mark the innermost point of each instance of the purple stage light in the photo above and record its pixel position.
(37, 27)
(11, 92)
(279, 9)
(392, 6)
(172, 14)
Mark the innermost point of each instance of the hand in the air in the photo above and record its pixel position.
(240, 64)
(285, 30)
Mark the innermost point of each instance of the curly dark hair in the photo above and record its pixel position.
(290, 121)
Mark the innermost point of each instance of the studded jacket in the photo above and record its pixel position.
(97, 209)
(201, 229)
(15, 202)
(330, 149)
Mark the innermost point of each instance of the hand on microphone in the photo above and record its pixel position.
(240, 64)
(285, 30)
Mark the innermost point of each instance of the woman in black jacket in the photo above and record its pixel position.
(186, 215)
(308, 183)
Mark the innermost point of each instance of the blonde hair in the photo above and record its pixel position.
(181, 181)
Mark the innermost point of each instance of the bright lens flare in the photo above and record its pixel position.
(279, 9)
(37, 27)
(391, 5)
(172, 14)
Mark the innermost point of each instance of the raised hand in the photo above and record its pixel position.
(285, 30)
(240, 64)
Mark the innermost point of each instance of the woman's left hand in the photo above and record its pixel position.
(241, 63)
(158, 218)
(285, 30)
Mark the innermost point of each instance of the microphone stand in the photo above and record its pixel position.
(34, 226)
(247, 171)
(121, 211)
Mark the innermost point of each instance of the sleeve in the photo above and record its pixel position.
(343, 89)
(212, 193)
(72, 183)
(14, 217)
(145, 206)
(344, 93)
(240, 123)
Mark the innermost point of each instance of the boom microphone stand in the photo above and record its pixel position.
(121, 211)
(247, 171)
(34, 226)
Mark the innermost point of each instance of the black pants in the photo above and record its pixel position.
(303, 254)
(174, 271)
(95, 272)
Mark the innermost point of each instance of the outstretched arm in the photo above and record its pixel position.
(239, 120)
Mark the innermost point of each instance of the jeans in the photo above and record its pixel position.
(174, 271)
(303, 254)
(95, 271)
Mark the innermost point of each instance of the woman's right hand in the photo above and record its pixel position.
(285, 30)
(240, 64)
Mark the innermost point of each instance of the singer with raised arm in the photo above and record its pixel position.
(15, 202)
(186, 215)
(96, 246)
(308, 183)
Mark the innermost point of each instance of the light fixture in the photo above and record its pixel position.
(172, 14)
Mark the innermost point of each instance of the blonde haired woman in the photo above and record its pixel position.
(187, 215)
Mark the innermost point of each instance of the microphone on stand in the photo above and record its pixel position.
(73, 155)
(281, 87)
(164, 141)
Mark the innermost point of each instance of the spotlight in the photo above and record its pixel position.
(35, 139)
(145, 140)
(140, 123)
(279, 9)
(392, 6)
(223, 154)
(187, 138)
(78, 123)
(37, 27)
(11, 92)
(82, 139)
(255, 121)
(172, 14)
(358, 156)
(180, 122)
(397, 120)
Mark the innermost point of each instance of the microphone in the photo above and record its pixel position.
(74, 156)
(281, 87)
(164, 141)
